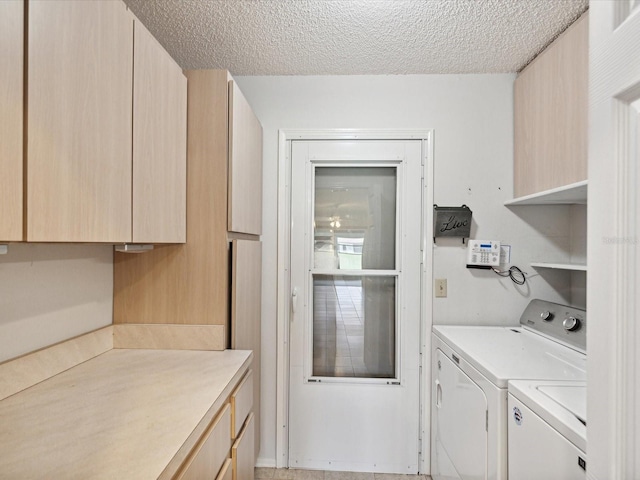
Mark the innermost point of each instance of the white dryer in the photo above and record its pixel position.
(471, 368)
(547, 430)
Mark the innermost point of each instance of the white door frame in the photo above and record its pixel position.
(613, 227)
(284, 287)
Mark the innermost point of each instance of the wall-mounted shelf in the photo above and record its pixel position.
(576, 267)
(575, 193)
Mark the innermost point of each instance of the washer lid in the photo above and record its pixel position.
(547, 400)
(571, 397)
(510, 353)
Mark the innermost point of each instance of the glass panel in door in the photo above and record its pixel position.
(354, 315)
(354, 326)
(355, 218)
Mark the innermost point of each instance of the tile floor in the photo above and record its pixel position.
(291, 474)
(338, 328)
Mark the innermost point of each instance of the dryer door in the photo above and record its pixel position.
(460, 421)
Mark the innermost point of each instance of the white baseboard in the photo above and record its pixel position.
(262, 462)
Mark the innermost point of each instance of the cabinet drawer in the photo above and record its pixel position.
(242, 452)
(226, 473)
(241, 403)
(211, 452)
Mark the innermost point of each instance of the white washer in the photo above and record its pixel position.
(547, 430)
(471, 369)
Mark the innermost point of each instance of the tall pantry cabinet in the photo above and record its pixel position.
(208, 291)
(11, 93)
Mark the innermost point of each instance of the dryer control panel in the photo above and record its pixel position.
(562, 322)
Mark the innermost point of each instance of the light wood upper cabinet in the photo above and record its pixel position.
(80, 61)
(550, 102)
(159, 143)
(245, 165)
(11, 105)
(106, 151)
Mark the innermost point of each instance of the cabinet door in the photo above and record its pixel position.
(80, 60)
(209, 456)
(242, 452)
(241, 403)
(159, 143)
(550, 107)
(246, 309)
(245, 166)
(226, 473)
(246, 288)
(11, 104)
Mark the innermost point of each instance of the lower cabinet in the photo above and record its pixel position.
(227, 471)
(214, 457)
(212, 450)
(241, 404)
(242, 452)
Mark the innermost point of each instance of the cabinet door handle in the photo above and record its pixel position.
(438, 394)
(294, 301)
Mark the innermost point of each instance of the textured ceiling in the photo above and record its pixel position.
(351, 37)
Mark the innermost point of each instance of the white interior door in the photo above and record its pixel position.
(614, 238)
(355, 322)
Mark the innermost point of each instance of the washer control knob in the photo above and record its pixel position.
(571, 323)
(546, 316)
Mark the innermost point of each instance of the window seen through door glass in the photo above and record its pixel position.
(355, 218)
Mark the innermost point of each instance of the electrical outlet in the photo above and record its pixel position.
(441, 287)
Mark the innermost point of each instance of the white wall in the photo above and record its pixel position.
(50, 293)
(472, 116)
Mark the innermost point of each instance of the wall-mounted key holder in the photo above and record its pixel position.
(451, 222)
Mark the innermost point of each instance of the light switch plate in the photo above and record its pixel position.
(441, 287)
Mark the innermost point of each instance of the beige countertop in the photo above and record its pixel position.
(125, 414)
